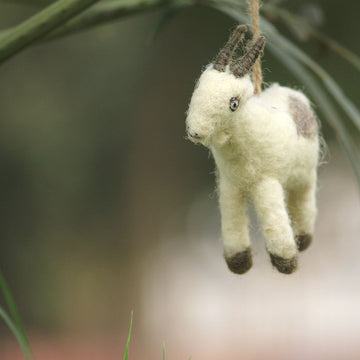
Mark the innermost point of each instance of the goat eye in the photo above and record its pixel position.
(234, 103)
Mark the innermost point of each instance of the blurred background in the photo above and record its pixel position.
(106, 208)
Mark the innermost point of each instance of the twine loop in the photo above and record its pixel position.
(257, 74)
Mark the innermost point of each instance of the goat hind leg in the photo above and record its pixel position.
(302, 210)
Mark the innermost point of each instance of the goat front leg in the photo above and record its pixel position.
(269, 202)
(234, 226)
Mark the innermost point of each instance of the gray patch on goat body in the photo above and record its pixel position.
(303, 117)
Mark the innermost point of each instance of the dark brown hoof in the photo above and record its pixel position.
(285, 266)
(241, 262)
(303, 241)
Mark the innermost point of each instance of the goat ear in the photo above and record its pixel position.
(224, 57)
(248, 60)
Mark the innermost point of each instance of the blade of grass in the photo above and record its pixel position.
(12, 307)
(163, 351)
(9, 322)
(126, 355)
(39, 25)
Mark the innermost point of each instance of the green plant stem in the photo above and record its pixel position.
(106, 12)
(39, 25)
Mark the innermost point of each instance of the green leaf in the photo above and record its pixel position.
(128, 339)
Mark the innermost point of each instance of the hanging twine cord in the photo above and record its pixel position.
(257, 74)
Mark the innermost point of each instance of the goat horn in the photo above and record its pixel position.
(248, 60)
(225, 54)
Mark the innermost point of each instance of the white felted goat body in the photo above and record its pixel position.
(265, 148)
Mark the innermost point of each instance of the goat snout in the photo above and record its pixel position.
(198, 131)
(195, 136)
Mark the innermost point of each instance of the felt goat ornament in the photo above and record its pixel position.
(265, 148)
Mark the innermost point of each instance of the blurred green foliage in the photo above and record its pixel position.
(92, 150)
